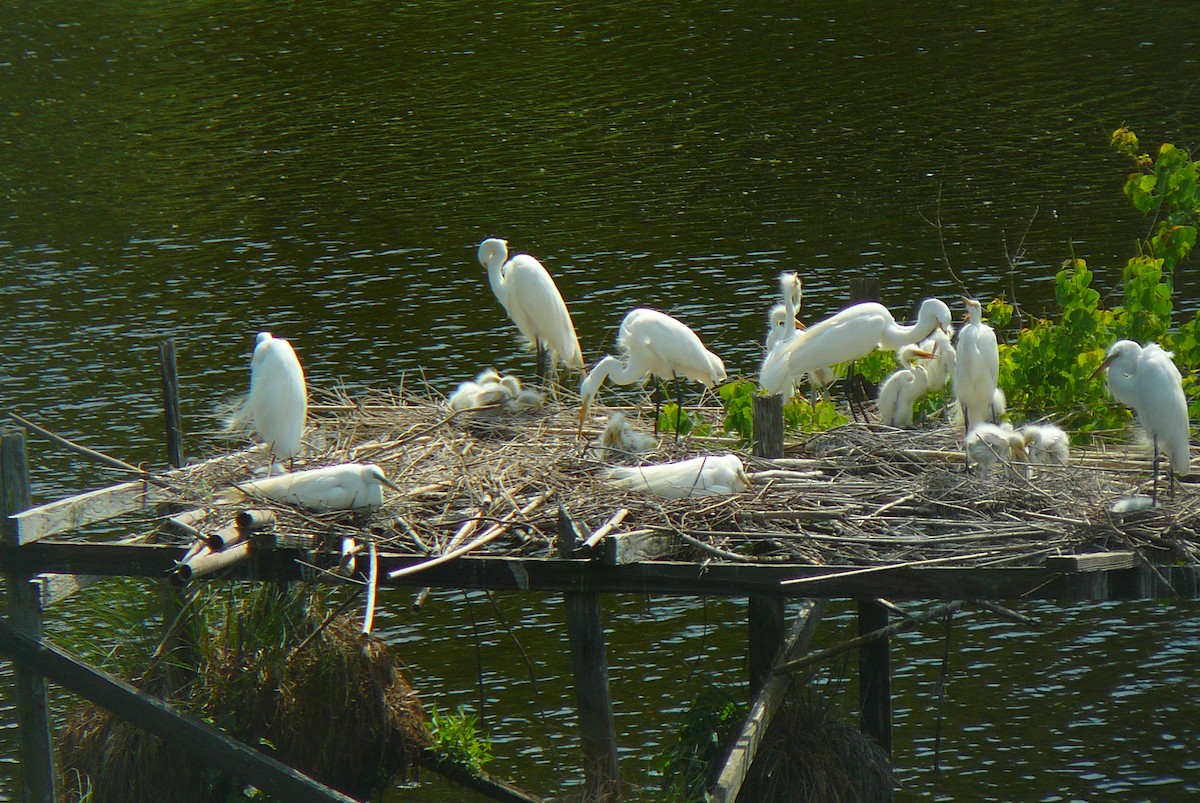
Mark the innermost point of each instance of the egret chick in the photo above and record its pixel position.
(900, 391)
(1147, 380)
(653, 343)
(989, 444)
(699, 476)
(277, 404)
(346, 486)
(1045, 444)
(530, 297)
(620, 440)
(939, 368)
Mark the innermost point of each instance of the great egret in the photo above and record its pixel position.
(988, 444)
(848, 335)
(699, 476)
(1045, 444)
(1147, 380)
(653, 343)
(277, 404)
(976, 368)
(900, 391)
(346, 486)
(529, 296)
(620, 440)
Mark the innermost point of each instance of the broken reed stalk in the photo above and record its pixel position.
(88, 452)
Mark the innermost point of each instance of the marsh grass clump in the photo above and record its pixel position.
(317, 695)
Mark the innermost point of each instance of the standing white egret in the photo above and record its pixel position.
(1147, 380)
(653, 343)
(346, 486)
(277, 404)
(699, 476)
(529, 296)
(900, 391)
(976, 368)
(852, 333)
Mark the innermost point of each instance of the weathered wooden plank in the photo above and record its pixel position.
(25, 613)
(684, 578)
(766, 703)
(635, 546)
(201, 740)
(767, 434)
(1092, 562)
(84, 509)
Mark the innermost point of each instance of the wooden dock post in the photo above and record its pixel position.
(765, 614)
(875, 675)
(170, 389)
(25, 615)
(590, 667)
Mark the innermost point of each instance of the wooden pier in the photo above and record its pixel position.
(521, 504)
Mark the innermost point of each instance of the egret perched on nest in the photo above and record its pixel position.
(619, 439)
(1147, 380)
(653, 343)
(709, 475)
(852, 333)
(491, 391)
(277, 404)
(346, 486)
(1045, 444)
(989, 444)
(530, 297)
(901, 390)
(977, 369)
(938, 369)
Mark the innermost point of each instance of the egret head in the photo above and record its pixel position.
(374, 472)
(263, 337)
(492, 250)
(1122, 349)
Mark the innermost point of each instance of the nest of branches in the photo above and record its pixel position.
(859, 494)
(282, 675)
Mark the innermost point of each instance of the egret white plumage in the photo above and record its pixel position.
(653, 343)
(277, 404)
(848, 335)
(938, 369)
(346, 486)
(698, 476)
(900, 391)
(1045, 444)
(620, 440)
(495, 393)
(976, 368)
(530, 297)
(989, 444)
(1146, 379)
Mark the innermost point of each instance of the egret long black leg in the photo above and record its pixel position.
(542, 368)
(1154, 487)
(658, 394)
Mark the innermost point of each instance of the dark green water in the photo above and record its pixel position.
(211, 169)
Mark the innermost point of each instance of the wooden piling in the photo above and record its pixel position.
(590, 666)
(875, 676)
(767, 438)
(170, 390)
(25, 615)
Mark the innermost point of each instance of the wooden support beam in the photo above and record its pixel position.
(767, 431)
(636, 546)
(79, 511)
(682, 578)
(25, 614)
(875, 675)
(590, 667)
(765, 637)
(763, 707)
(203, 741)
(1092, 562)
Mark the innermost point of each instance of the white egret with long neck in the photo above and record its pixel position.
(277, 405)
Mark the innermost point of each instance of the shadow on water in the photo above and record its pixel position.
(208, 170)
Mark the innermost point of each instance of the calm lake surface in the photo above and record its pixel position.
(207, 170)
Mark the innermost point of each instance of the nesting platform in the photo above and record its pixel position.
(859, 511)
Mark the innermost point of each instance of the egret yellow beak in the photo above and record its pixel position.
(1103, 365)
(583, 411)
(800, 325)
(391, 485)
